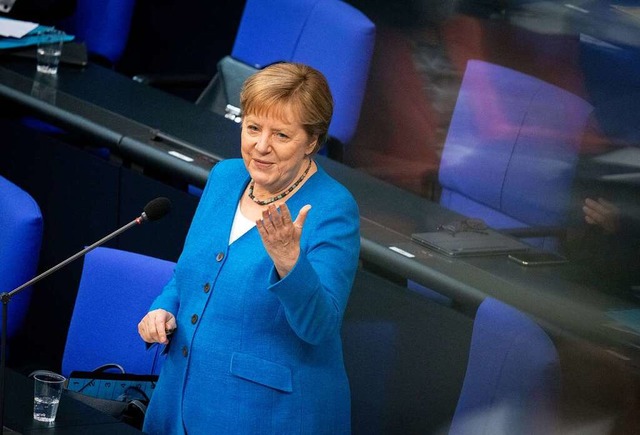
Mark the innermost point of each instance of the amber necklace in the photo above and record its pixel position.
(280, 195)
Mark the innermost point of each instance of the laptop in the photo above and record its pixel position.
(469, 243)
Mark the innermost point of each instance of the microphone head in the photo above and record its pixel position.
(157, 208)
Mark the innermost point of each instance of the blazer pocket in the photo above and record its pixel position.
(261, 371)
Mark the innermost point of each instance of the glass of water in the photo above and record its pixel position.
(47, 390)
(49, 51)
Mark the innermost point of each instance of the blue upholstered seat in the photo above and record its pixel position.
(511, 150)
(20, 241)
(103, 26)
(329, 35)
(115, 292)
(512, 383)
(510, 153)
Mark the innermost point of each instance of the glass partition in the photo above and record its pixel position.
(525, 114)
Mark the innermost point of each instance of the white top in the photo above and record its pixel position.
(241, 225)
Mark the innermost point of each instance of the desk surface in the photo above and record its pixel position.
(73, 417)
(127, 116)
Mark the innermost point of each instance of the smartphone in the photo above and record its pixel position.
(537, 258)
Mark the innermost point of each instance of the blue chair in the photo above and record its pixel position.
(20, 242)
(511, 151)
(510, 155)
(329, 35)
(512, 382)
(116, 289)
(103, 26)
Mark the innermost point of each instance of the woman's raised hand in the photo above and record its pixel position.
(281, 236)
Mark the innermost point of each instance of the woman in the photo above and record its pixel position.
(257, 298)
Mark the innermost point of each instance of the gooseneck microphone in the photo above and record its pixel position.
(154, 210)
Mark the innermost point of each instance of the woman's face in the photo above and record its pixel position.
(274, 149)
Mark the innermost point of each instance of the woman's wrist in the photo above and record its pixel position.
(286, 265)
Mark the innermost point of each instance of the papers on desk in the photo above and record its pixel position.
(15, 28)
(16, 33)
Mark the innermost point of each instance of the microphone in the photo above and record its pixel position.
(154, 210)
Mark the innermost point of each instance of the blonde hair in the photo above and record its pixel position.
(302, 88)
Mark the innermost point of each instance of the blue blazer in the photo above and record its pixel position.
(255, 354)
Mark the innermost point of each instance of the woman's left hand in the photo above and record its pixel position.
(602, 213)
(281, 236)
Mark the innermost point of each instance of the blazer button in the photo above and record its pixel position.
(185, 351)
(220, 256)
(206, 288)
(194, 319)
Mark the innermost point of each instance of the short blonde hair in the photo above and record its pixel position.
(302, 88)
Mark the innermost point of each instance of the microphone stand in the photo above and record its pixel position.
(6, 298)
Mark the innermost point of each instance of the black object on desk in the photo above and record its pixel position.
(537, 258)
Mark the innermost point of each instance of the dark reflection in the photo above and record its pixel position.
(526, 114)
(606, 233)
(45, 87)
(575, 172)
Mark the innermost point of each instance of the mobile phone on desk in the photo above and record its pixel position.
(537, 258)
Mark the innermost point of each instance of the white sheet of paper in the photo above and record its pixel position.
(15, 28)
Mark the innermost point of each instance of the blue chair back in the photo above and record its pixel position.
(20, 242)
(329, 35)
(512, 381)
(511, 151)
(116, 289)
(103, 25)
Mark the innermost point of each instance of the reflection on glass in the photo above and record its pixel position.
(526, 114)
(45, 87)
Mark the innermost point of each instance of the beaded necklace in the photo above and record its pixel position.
(281, 195)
